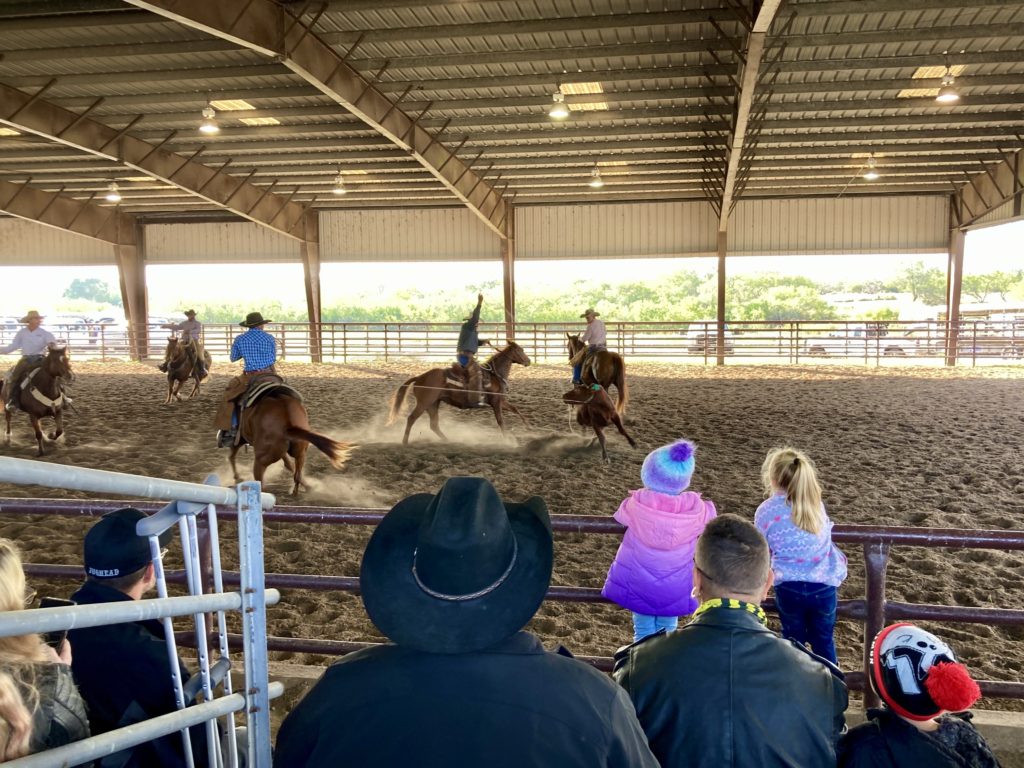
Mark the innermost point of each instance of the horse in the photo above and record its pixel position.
(182, 366)
(44, 395)
(605, 368)
(276, 425)
(433, 388)
(595, 409)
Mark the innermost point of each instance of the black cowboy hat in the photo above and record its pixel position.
(254, 319)
(189, 312)
(459, 571)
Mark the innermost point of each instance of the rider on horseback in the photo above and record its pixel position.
(32, 341)
(190, 330)
(469, 343)
(596, 339)
(259, 351)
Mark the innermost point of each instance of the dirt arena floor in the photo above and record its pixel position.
(894, 446)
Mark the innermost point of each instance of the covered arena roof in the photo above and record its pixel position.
(668, 99)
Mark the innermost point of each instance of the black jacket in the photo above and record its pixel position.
(60, 717)
(725, 692)
(124, 675)
(510, 706)
(887, 741)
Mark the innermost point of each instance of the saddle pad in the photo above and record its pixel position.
(264, 386)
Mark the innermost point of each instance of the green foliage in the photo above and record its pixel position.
(92, 289)
(927, 285)
(980, 286)
(882, 313)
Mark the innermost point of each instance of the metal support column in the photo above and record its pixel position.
(508, 272)
(876, 561)
(723, 240)
(956, 267)
(311, 270)
(129, 253)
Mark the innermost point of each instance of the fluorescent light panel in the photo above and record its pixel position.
(577, 89)
(259, 120)
(233, 105)
(9, 132)
(936, 73)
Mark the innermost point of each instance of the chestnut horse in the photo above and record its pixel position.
(182, 366)
(595, 409)
(44, 396)
(277, 427)
(605, 368)
(432, 388)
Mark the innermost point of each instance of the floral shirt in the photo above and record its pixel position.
(798, 555)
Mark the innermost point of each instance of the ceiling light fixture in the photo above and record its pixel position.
(947, 92)
(113, 194)
(871, 174)
(209, 124)
(339, 185)
(559, 111)
(595, 178)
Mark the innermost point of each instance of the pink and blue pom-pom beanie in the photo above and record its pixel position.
(669, 468)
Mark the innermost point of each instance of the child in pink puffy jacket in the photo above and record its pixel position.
(652, 574)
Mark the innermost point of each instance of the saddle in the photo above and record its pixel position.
(458, 376)
(26, 384)
(264, 385)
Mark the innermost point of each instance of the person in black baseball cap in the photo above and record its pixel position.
(123, 670)
(452, 578)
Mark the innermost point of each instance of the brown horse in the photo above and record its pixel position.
(595, 409)
(182, 366)
(44, 395)
(433, 388)
(605, 368)
(277, 427)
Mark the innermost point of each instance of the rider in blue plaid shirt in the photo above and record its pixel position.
(259, 351)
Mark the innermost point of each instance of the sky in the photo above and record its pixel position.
(172, 287)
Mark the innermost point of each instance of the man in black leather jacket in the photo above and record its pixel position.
(725, 691)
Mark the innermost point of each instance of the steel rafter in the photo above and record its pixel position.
(30, 113)
(65, 213)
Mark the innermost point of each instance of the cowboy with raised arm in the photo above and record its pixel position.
(469, 343)
(258, 349)
(191, 330)
(32, 340)
(595, 337)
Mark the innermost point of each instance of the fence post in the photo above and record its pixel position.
(876, 561)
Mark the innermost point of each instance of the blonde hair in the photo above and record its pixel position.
(792, 472)
(19, 697)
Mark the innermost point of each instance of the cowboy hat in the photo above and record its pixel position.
(457, 571)
(32, 315)
(189, 312)
(253, 320)
(589, 311)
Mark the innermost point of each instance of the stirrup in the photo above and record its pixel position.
(225, 438)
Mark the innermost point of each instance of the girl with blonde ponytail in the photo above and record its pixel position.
(808, 567)
(40, 707)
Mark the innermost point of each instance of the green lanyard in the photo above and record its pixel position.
(728, 602)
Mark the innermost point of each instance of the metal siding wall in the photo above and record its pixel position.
(217, 242)
(1001, 214)
(25, 243)
(615, 231)
(432, 234)
(809, 226)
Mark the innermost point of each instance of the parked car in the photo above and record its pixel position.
(702, 339)
(853, 340)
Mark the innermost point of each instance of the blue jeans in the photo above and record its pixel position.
(644, 625)
(808, 614)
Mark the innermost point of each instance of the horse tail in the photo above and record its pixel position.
(622, 387)
(398, 399)
(335, 450)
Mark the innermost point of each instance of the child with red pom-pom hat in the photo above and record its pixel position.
(918, 678)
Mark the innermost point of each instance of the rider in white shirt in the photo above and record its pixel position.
(595, 337)
(190, 330)
(32, 340)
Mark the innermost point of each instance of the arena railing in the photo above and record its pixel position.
(205, 581)
(866, 342)
(874, 610)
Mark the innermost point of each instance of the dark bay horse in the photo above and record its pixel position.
(594, 409)
(605, 368)
(182, 366)
(44, 396)
(432, 388)
(277, 428)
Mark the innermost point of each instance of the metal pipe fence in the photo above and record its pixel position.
(191, 500)
(874, 609)
(791, 342)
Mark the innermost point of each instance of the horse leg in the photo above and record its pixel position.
(39, 432)
(600, 437)
(300, 462)
(58, 425)
(195, 386)
(508, 404)
(435, 422)
(234, 467)
(496, 406)
(617, 420)
(288, 464)
(170, 390)
(416, 413)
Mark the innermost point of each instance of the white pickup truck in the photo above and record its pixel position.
(853, 340)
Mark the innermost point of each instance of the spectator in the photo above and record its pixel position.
(451, 579)
(40, 708)
(123, 670)
(808, 567)
(725, 691)
(919, 680)
(652, 574)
